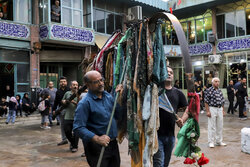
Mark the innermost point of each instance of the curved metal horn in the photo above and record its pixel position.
(182, 41)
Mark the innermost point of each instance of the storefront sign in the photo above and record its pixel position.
(233, 44)
(67, 34)
(200, 49)
(72, 34)
(14, 30)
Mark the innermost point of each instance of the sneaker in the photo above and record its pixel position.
(202, 111)
(83, 155)
(42, 127)
(211, 145)
(221, 144)
(47, 127)
(73, 150)
(6, 122)
(58, 123)
(62, 142)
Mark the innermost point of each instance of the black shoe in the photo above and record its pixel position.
(6, 122)
(83, 155)
(62, 142)
(58, 123)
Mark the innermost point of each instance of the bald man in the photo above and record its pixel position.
(91, 121)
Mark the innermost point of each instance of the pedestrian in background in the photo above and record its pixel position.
(242, 94)
(57, 104)
(236, 85)
(52, 93)
(214, 103)
(166, 132)
(45, 113)
(69, 116)
(230, 96)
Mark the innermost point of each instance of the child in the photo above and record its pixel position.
(45, 113)
(12, 110)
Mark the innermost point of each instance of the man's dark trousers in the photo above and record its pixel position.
(111, 156)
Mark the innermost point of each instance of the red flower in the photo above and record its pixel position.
(189, 161)
(203, 160)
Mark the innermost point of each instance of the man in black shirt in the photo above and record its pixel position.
(59, 95)
(166, 136)
(242, 93)
(230, 96)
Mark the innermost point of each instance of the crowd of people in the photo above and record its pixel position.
(86, 115)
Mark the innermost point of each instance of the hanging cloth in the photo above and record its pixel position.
(150, 115)
(119, 56)
(98, 61)
(159, 68)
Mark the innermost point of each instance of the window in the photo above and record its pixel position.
(16, 10)
(106, 21)
(230, 24)
(247, 17)
(191, 31)
(99, 22)
(241, 23)
(207, 25)
(220, 26)
(72, 13)
(199, 30)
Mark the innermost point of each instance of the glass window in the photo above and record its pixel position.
(72, 13)
(184, 26)
(77, 18)
(230, 24)
(166, 32)
(220, 26)
(207, 25)
(191, 31)
(118, 22)
(43, 9)
(66, 16)
(199, 30)
(110, 22)
(106, 21)
(241, 23)
(77, 4)
(66, 3)
(248, 21)
(21, 70)
(99, 21)
(21, 13)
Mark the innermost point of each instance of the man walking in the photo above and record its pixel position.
(91, 121)
(236, 85)
(242, 94)
(214, 103)
(52, 93)
(230, 96)
(59, 95)
(69, 116)
(166, 136)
